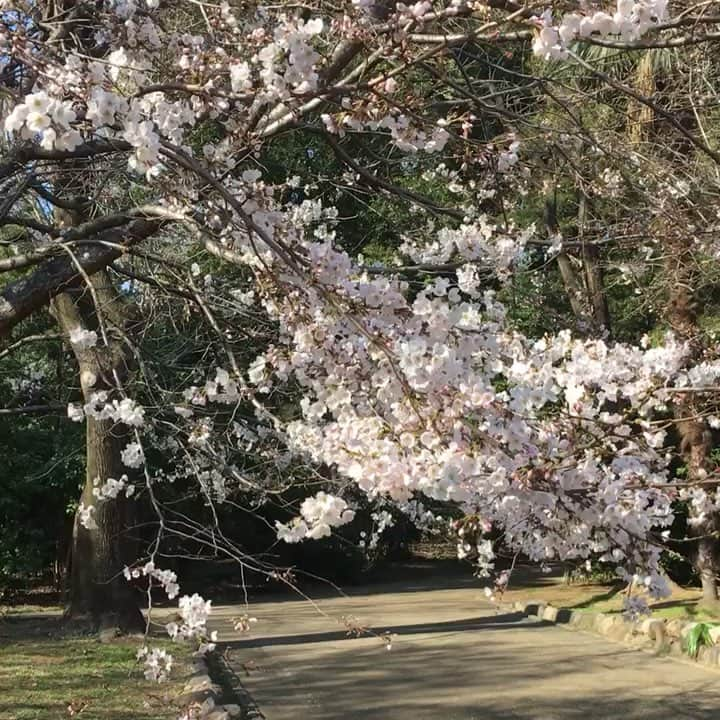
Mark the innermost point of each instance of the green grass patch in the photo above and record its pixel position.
(699, 636)
(47, 676)
(680, 608)
(692, 612)
(685, 603)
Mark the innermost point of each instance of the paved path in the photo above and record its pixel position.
(452, 658)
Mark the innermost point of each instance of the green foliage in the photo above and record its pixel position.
(537, 302)
(41, 471)
(210, 131)
(42, 454)
(597, 574)
(697, 637)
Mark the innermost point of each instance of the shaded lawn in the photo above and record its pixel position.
(683, 604)
(47, 676)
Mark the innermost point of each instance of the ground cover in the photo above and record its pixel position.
(47, 674)
(598, 596)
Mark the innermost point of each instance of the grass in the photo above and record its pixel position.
(691, 611)
(45, 675)
(683, 604)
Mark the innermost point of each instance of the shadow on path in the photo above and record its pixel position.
(600, 597)
(496, 622)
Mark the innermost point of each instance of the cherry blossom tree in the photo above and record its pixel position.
(138, 135)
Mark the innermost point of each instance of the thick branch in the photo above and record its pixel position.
(20, 299)
(28, 153)
(77, 234)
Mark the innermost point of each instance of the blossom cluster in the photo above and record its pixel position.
(166, 578)
(194, 612)
(85, 517)
(403, 132)
(132, 455)
(157, 663)
(51, 119)
(479, 242)
(83, 339)
(111, 488)
(278, 61)
(318, 515)
(631, 20)
(409, 394)
(100, 407)
(437, 395)
(221, 389)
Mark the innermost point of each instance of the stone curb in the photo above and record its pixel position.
(660, 636)
(201, 696)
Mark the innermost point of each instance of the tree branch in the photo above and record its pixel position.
(43, 337)
(34, 410)
(21, 298)
(29, 153)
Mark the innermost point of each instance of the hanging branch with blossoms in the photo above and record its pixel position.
(407, 390)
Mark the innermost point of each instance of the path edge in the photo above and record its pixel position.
(661, 637)
(203, 692)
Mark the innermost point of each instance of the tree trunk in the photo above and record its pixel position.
(695, 445)
(694, 435)
(706, 563)
(583, 283)
(695, 442)
(574, 289)
(98, 590)
(593, 275)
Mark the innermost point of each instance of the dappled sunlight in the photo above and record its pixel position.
(452, 656)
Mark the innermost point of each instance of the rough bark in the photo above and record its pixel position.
(98, 590)
(694, 435)
(574, 289)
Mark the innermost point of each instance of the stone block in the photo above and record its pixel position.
(644, 626)
(198, 683)
(655, 630)
(674, 628)
(535, 608)
(586, 620)
(195, 698)
(199, 666)
(686, 628)
(603, 623)
(620, 629)
(674, 647)
(713, 656)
